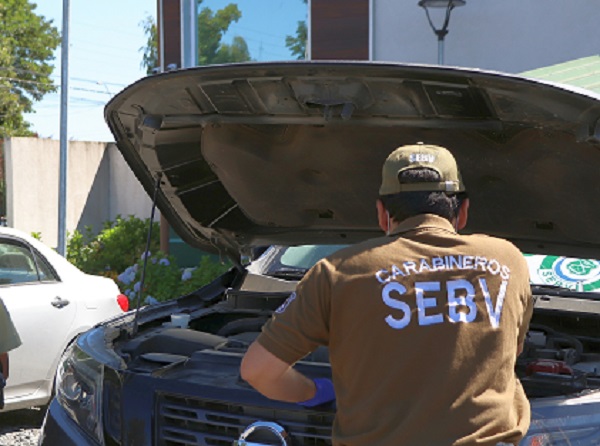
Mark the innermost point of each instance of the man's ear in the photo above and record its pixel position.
(463, 214)
(382, 216)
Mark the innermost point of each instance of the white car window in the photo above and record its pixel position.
(18, 264)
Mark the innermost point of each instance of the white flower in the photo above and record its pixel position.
(150, 300)
(164, 262)
(187, 275)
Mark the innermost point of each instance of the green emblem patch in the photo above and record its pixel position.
(576, 274)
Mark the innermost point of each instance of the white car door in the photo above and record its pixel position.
(42, 311)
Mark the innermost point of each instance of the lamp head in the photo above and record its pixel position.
(441, 3)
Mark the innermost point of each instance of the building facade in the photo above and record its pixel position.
(509, 35)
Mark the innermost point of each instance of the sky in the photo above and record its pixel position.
(105, 38)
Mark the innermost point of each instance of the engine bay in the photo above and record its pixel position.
(561, 355)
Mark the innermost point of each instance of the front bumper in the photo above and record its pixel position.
(59, 429)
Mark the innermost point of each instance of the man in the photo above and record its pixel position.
(9, 338)
(423, 325)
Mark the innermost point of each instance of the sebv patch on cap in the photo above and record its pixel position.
(420, 156)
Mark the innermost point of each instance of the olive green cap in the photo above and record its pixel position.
(420, 156)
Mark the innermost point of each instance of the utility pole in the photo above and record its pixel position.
(64, 100)
(177, 48)
(168, 24)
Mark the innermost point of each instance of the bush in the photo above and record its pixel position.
(119, 244)
(164, 280)
(118, 252)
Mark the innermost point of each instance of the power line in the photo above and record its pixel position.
(57, 77)
(56, 86)
(23, 70)
(25, 81)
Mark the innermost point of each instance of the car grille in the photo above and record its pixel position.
(191, 421)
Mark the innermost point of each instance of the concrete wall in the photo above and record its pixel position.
(507, 35)
(100, 186)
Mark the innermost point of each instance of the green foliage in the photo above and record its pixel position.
(119, 244)
(118, 252)
(150, 51)
(161, 280)
(37, 235)
(27, 44)
(297, 44)
(211, 27)
(207, 270)
(164, 280)
(236, 52)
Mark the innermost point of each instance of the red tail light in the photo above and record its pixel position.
(549, 366)
(123, 302)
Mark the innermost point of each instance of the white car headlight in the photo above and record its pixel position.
(79, 390)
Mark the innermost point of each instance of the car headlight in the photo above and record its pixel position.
(579, 425)
(79, 390)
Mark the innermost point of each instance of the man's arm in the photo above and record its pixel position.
(520, 348)
(4, 364)
(275, 378)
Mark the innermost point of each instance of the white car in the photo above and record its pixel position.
(50, 302)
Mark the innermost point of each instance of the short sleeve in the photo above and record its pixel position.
(9, 338)
(527, 302)
(301, 323)
(528, 311)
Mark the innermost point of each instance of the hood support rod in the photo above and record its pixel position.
(146, 255)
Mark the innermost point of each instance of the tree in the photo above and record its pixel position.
(150, 51)
(211, 49)
(297, 44)
(236, 52)
(27, 44)
(211, 27)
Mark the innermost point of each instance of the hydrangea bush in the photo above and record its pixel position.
(118, 244)
(164, 280)
(117, 251)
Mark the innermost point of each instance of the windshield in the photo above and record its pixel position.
(305, 256)
(292, 262)
(575, 274)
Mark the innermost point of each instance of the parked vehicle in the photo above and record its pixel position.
(50, 302)
(289, 155)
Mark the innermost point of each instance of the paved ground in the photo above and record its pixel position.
(21, 427)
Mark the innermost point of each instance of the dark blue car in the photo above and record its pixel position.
(288, 155)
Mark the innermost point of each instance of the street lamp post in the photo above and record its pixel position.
(449, 5)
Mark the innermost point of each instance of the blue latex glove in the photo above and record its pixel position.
(324, 394)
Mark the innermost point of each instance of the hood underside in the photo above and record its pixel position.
(291, 153)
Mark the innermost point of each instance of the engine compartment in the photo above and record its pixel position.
(561, 355)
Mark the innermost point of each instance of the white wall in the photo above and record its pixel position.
(100, 186)
(503, 35)
(126, 195)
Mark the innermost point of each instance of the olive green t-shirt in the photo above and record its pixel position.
(9, 338)
(422, 328)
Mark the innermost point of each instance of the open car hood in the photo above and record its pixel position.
(291, 153)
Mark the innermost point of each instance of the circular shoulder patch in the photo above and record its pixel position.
(284, 305)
